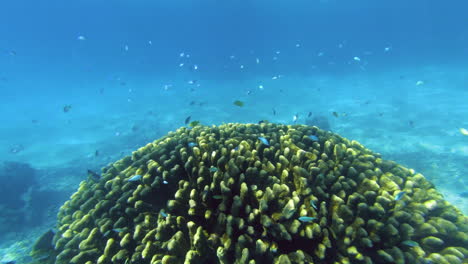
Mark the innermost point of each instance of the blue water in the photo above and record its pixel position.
(395, 72)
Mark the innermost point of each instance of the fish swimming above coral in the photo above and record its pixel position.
(264, 141)
(257, 207)
(135, 178)
(238, 103)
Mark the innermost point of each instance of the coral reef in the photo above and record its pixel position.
(221, 195)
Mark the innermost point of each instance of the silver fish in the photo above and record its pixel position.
(135, 178)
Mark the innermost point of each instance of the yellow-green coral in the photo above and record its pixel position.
(248, 208)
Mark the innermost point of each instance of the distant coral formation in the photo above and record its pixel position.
(230, 198)
(18, 182)
(17, 178)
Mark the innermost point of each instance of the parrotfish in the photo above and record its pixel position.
(135, 178)
(314, 137)
(192, 144)
(306, 219)
(264, 141)
(399, 196)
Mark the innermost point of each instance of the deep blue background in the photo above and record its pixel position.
(44, 33)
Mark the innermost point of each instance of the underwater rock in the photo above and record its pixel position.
(294, 201)
(17, 178)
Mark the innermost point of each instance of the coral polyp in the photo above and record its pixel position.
(298, 199)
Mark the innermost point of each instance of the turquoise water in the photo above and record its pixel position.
(84, 83)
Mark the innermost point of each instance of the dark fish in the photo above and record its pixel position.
(335, 114)
(96, 153)
(187, 120)
(93, 175)
(194, 123)
(274, 111)
(464, 194)
(310, 114)
(34, 121)
(67, 108)
(238, 103)
(262, 122)
(411, 123)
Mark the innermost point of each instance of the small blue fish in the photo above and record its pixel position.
(399, 196)
(264, 141)
(236, 148)
(116, 230)
(165, 182)
(192, 144)
(410, 243)
(135, 178)
(213, 169)
(306, 219)
(313, 137)
(312, 203)
(163, 214)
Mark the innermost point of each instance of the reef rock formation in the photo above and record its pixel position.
(221, 195)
